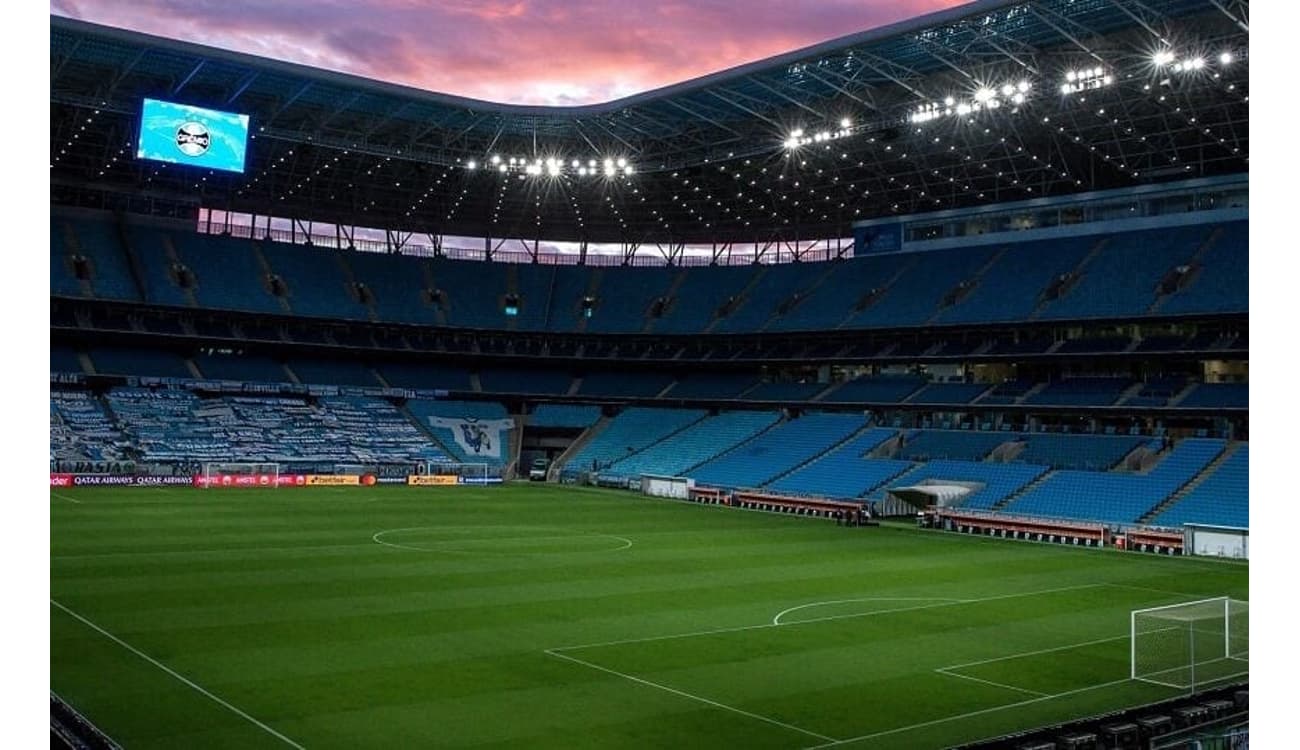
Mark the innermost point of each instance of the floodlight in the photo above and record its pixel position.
(591, 163)
(582, 171)
(798, 133)
(501, 168)
(496, 159)
(949, 101)
(963, 108)
(845, 122)
(621, 163)
(1018, 98)
(1023, 86)
(1163, 57)
(791, 142)
(1225, 58)
(472, 164)
(983, 94)
(1007, 89)
(1197, 63)
(576, 164)
(1065, 88)
(627, 169)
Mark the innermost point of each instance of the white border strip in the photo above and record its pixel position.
(175, 674)
(65, 497)
(685, 694)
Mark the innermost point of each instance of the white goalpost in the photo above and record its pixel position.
(240, 474)
(471, 473)
(1189, 644)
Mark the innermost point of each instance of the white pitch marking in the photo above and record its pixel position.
(223, 551)
(1066, 647)
(65, 497)
(175, 674)
(572, 535)
(1003, 685)
(741, 628)
(685, 694)
(969, 714)
(777, 620)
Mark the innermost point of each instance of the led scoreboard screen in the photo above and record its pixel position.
(184, 134)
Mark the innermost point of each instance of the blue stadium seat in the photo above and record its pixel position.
(778, 450)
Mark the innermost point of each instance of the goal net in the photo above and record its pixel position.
(1195, 643)
(218, 474)
(469, 473)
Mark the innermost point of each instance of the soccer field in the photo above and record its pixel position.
(545, 616)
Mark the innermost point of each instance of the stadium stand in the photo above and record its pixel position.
(333, 372)
(844, 471)
(925, 445)
(631, 430)
(410, 375)
(1218, 395)
(493, 453)
(251, 368)
(1221, 499)
(81, 430)
(317, 280)
(882, 389)
(785, 391)
(948, 393)
(112, 360)
(1081, 392)
(228, 273)
(1011, 288)
(693, 445)
(1090, 452)
(639, 384)
(64, 359)
(1113, 497)
(503, 380)
(777, 450)
(570, 416)
(702, 385)
(994, 481)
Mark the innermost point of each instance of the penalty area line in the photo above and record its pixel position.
(684, 694)
(65, 497)
(198, 688)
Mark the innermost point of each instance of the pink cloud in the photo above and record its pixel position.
(518, 51)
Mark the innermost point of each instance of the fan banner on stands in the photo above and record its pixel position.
(477, 437)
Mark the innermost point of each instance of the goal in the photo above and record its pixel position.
(219, 474)
(1190, 644)
(469, 473)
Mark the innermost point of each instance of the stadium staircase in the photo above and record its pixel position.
(132, 260)
(553, 473)
(423, 428)
(267, 273)
(379, 376)
(741, 298)
(73, 244)
(1178, 398)
(1194, 263)
(1130, 392)
(1038, 388)
(512, 287)
(593, 291)
(803, 294)
(575, 386)
(671, 301)
(193, 368)
(439, 312)
(963, 290)
(173, 257)
(881, 292)
(371, 314)
(1014, 496)
(87, 365)
(1192, 484)
(869, 425)
(475, 384)
(511, 469)
(1072, 279)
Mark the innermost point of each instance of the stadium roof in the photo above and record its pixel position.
(988, 102)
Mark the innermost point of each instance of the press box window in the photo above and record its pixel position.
(511, 305)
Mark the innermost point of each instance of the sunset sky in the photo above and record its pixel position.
(517, 51)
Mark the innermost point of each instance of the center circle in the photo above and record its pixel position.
(499, 540)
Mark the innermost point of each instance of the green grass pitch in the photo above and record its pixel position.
(544, 616)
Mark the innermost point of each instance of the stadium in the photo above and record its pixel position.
(891, 392)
